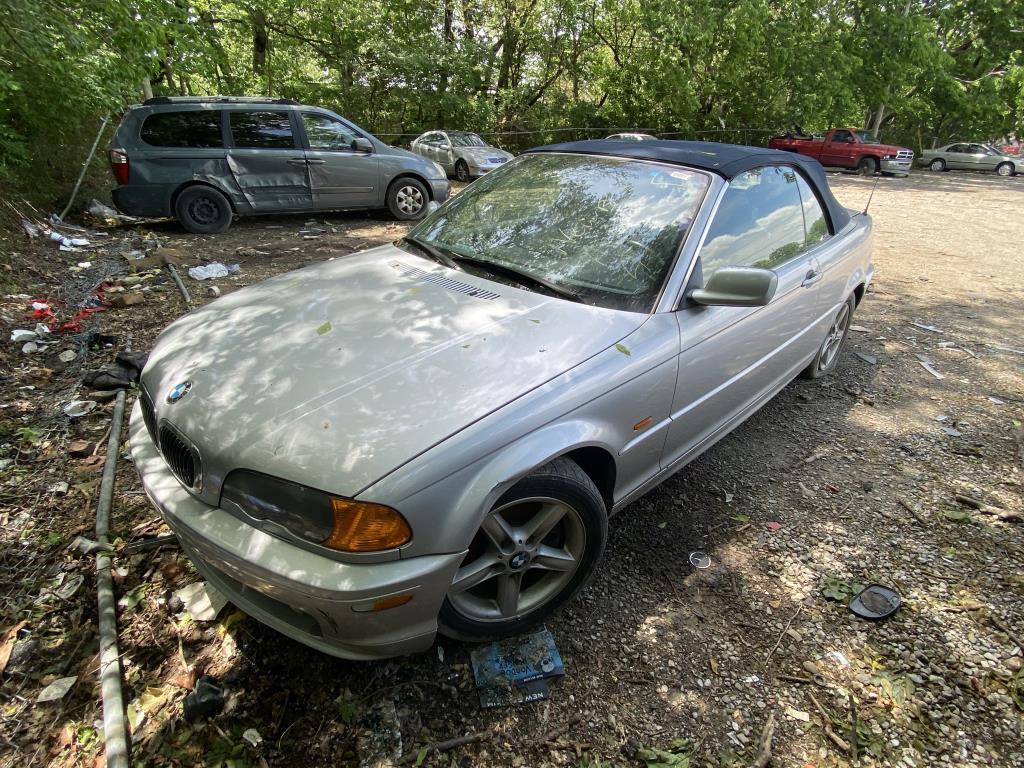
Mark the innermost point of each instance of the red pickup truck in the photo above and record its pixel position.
(849, 148)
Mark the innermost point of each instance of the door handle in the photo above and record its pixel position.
(314, 162)
(811, 277)
(297, 161)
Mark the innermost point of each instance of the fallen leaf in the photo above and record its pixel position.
(773, 526)
(58, 689)
(623, 349)
(326, 327)
(7, 644)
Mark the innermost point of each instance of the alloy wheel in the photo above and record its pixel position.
(409, 199)
(834, 339)
(525, 553)
(1005, 169)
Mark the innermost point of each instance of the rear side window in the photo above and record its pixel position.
(199, 129)
(815, 223)
(262, 130)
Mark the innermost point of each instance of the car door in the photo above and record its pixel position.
(981, 158)
(266, 161)
(732, 359)
(839, 149)
(956, 156)
(340, 174)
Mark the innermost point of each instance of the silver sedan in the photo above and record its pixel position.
(971, 157)
(463, 155)
(432, 435)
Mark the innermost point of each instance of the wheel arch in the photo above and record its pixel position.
(198, 183)
(411, 175)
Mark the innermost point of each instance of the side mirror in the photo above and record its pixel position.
(362, 145)
(737, 287)
(444, 146)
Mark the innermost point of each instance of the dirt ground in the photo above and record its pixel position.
(836, 483)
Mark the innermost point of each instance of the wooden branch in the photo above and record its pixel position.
(444, 746)
(914, 511)
(557, 731)
(764, 757)
(988, 509)
(1007, 631)
(827, 725)
(783, 633)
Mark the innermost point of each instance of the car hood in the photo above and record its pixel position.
(889, 149)
(334, 375)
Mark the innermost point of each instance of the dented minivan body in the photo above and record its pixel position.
(235, 156)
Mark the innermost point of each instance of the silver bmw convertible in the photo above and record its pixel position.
(432, 435)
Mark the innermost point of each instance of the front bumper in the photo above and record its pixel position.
(314, 599)
(439, 189)
(897, 167)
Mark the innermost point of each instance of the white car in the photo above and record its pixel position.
(632, 137)
(463, 155)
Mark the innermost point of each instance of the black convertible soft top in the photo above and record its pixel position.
(727, 160)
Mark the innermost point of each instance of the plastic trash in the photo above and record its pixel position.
(875, 602)
(516, 671)
(78, 408)
(20, 335)
(205, 701)
(209, 272)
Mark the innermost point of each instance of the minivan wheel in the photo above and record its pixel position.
(407, 199)
(534, 551)
(203, 210)
(462, 172)
(828, 353)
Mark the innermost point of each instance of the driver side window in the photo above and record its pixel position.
(759, 223)
(325, 133)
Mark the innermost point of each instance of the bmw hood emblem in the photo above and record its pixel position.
(178, 391)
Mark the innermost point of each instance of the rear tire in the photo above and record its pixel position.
(938, 164)
(1006, 169)
(407, 199)
(203, 210)
(868, 166)
(835, 339)
(534, 551)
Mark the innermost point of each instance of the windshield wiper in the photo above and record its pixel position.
(519, 276)
(431, 251)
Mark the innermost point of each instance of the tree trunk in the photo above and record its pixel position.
(147, 88)
(877, 122)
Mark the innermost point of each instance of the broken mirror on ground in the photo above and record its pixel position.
(517, 670)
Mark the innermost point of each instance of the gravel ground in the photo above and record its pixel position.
(835, 483)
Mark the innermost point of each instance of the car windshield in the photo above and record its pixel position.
(467, 140)
(603, 229)
(866, 137)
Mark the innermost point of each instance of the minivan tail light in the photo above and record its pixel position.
(119, 165)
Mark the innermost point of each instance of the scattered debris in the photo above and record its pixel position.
(515, 671)
(252, 736)
(202, 600)
(78, 408)
(56, 690)
(875, 602)
(869, 359)
(988, 509)
(700, 560)
(212, 271)
(926, 363)
(205, 701)
(929, 328)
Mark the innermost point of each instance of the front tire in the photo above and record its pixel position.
(407, 199)
(868, 166)
(534, 551)
(1005, 169)
(827, 358)
(462, 172)
(203, 210)
(938, 164)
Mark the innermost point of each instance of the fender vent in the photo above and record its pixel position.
(444, 282)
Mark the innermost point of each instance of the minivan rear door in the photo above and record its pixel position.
(266, 160)
(341, 175)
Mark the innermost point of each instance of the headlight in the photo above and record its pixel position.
(887, 157)
(335, 522)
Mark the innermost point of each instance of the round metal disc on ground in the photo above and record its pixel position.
(875, 602)
(700, 560)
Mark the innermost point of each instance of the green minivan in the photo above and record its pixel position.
(204, 160)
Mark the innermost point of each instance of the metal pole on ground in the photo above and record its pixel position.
(115, 728)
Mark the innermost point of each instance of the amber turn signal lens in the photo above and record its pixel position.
(361, 526)
(391, 602)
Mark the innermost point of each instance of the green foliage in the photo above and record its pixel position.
(676, 756)
(839, 590)
(735, 70)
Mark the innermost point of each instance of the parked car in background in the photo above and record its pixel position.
(632, 137)
(972, 157)
(851, 149)
(433, 433)
(204, 160)
(462, 154)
